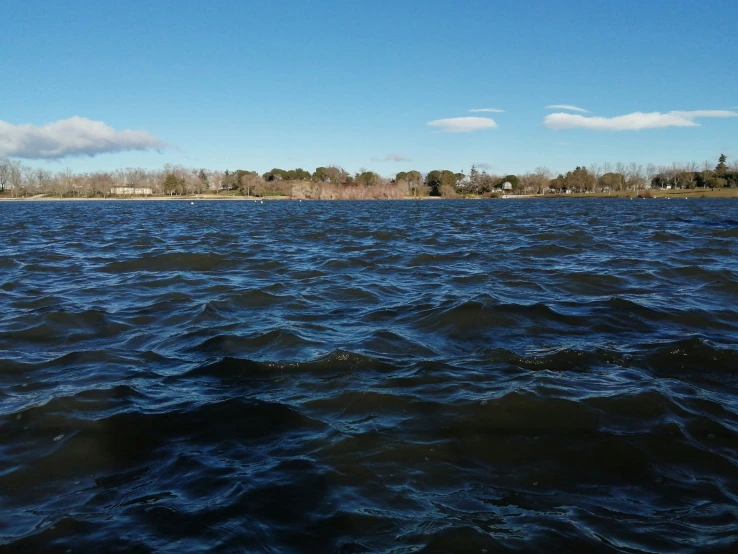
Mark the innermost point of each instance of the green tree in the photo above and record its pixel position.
(414, 180)
(685, 179)
(611, 181)
(450, 179)
(331, 174)
(558, 183)
(203, 177)
(660, 180)
(439, 179)
(367, 179)
(321, 174)
(414, 177)
(298, 174)
(580, 180)
(275, 174)
(433, 180)
(705, 178)
(172, 184)
(721, 168)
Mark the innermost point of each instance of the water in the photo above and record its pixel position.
(456, 376)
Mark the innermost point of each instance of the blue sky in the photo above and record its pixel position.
(229, 84)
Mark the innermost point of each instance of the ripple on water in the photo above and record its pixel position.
(543, 376)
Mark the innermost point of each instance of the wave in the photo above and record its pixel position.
(173, 262)
(279, 343)
(59, 326)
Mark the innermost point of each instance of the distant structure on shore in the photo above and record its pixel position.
(130, 191)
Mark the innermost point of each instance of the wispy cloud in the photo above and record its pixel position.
(487, 110)
(484, 165)
(391, 158)
(463, 124)
(76, 136)
(566, 107)
(633, 121)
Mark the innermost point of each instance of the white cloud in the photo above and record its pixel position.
(707, 113)
(632, 121)
(484, 165)
(488, 110)
(391, 158)
(566, 107)
(76, 136)
(463, 124)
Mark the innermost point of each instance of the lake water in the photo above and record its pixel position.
(452, 376)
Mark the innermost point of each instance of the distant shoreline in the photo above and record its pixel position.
(45, 198)
(192, 198)
(685, 193)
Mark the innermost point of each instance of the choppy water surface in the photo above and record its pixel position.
(457, 376)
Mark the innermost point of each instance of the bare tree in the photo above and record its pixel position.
(634, 176)
(64, 182)
(215, 181)
(101, 183)
(651, 172)
(15, 177)
(27, 180)
(620, 168)
(402, 188)
(595, 170)
(5, 170)
(42, 180)
(541, 179)
(673, 172)
(252, 183)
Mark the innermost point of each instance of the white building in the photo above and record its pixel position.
(141, 191)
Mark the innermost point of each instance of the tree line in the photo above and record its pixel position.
(333, 182)
(634, 177)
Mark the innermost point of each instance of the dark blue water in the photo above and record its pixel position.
(453, 376)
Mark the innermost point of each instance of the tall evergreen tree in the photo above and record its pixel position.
(721, 167)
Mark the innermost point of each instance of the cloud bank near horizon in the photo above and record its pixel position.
(486, 110)
(463, 124)
(633, 121)
(73, 137)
